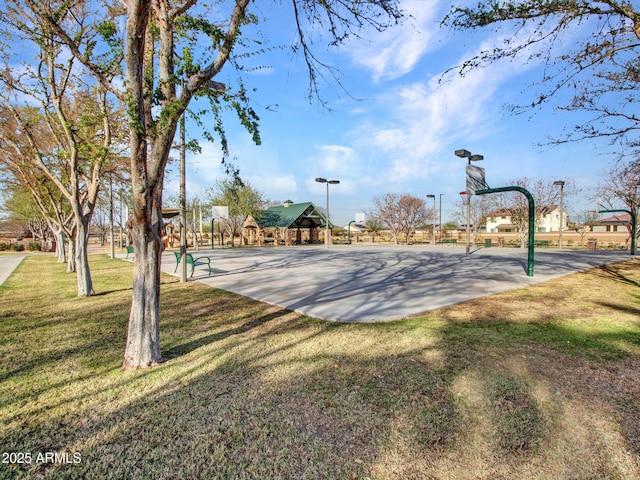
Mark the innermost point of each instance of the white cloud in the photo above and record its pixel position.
(275, 186)
(336, 159)
(425, 118)
(397, 50)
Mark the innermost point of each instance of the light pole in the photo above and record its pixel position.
(440, 217)
(561, 184)
(433, 239)
(183, 203)
(326, 226)
(462, 153)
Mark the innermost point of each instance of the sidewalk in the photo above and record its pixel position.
(8, 264)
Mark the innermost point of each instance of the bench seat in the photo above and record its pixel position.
(193, 261)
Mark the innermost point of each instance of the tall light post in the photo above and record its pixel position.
(183, 202)
(440, 217)
(433, 239)
(561, 184)
(326, 226)
(462, 153)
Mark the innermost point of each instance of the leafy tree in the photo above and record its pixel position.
(241, 198)
(19, 173)
(400, 213)
(21, 205)
(599, 71)
(168, 53)
(62, 123)
(374, 227)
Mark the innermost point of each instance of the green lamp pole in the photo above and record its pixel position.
(349, 232)
(532, 218)
(633, 225)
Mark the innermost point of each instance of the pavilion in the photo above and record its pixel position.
(287, 224)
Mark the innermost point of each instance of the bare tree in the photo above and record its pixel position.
(599, 72)
(400, 214)
(480, 208)
(622, 186)
(545, 194)
(581, 223)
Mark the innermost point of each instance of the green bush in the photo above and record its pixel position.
(33, 246)
(18, 247)
(4, 246)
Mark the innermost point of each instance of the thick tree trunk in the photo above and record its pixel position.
(83, 274)
(143, 337)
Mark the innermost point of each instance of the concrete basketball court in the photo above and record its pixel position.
(380, 283)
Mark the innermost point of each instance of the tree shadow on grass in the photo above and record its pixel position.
(185, 348)
(617, 272)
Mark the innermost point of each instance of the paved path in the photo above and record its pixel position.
(8, 263)
(372, 283)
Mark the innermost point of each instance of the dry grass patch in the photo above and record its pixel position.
(536, 383)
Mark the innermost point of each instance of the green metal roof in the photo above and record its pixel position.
(293, 215)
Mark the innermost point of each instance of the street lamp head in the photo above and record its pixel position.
(333, 182)
(321, 180)
(431, 196)
(559, 182)
(476, 158)
(462, 153)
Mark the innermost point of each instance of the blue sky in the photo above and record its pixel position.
(398, 126)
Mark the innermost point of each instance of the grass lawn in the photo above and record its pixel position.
(542, 382)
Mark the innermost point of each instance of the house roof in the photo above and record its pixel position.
(357, 227)
(291, 215)
(620, 219)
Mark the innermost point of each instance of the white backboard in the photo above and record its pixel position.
(219, 212)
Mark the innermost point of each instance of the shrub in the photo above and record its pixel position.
(33, 246)
(18, 247)
(4, 246)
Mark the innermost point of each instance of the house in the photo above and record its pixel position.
(357, 227)
(501, 221)
(287, 224)
(616, 223)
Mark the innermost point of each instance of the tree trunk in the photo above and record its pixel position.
(71, 257)
(60, 250)
(143, 337)
(83, 274)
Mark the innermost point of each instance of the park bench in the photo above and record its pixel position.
(129, 250)
(541, 243)
(448, 241)
(193, 262)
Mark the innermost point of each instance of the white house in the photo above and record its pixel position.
(500, 221)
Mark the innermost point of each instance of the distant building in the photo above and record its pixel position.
(616, 223)
(356, 227)
(551, 219)
(287, 224)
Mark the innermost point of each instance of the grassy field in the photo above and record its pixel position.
(542, 382)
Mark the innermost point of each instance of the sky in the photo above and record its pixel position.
(396, 124)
